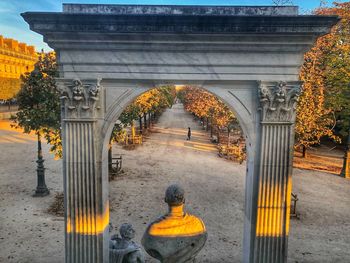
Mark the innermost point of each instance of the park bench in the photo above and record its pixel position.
(116, 166)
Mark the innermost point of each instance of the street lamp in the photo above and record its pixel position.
(41, 189)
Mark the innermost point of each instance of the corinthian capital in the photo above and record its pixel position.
(78, 99)
(278, 101)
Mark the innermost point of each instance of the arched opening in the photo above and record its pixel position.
(214, 186)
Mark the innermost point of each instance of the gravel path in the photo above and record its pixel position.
(214, 191)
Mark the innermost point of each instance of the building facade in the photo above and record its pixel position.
(15, 59)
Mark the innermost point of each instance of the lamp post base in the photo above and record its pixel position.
(41, 189)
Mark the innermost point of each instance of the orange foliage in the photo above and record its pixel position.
(326, 76)
(205, 105)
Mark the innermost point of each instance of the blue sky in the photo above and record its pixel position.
(13, 26)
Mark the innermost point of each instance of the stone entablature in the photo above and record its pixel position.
(179, 10)
(15, 59)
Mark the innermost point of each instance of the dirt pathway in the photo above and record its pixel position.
(214, 187)
(214, 191)
(27, 232)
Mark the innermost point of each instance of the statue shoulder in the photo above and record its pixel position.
(196, 223)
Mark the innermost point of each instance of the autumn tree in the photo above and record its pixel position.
(326, 76)
(39, 108)
(314, 120)
(207, 107)
(336, 59)
(153, 101)
(149, 103)
(324, 102)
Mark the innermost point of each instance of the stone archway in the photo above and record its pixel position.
(248, 56)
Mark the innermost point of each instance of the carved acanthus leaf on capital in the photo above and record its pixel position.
(278, 101)
(80, 100)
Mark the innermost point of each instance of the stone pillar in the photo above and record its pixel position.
(277, 107)
(86, 205)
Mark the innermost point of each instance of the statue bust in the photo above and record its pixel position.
(122, 249)
(177, 236)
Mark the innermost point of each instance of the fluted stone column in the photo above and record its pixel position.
(277, 107)
(86, 208)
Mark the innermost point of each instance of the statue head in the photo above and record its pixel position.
(174, 195)
(127, 231)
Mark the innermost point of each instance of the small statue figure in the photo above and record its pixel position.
(95, 90)
(176, 237)
(78, 90)
(122, 249)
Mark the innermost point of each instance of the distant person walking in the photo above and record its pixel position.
(189, 134)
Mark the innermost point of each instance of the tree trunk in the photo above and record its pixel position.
(211, 129)
(140, 120)
(228, 136)
(132, 131)
(345, 172)
(40, 152)
(218, 134)
(145, 120)
(149, 119)
(303, 151)
(207, 128)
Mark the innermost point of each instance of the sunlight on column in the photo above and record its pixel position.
(87, 225)
(273, 216)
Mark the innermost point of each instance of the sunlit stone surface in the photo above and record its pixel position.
(177, 236)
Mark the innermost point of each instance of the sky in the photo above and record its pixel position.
(12, 24)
